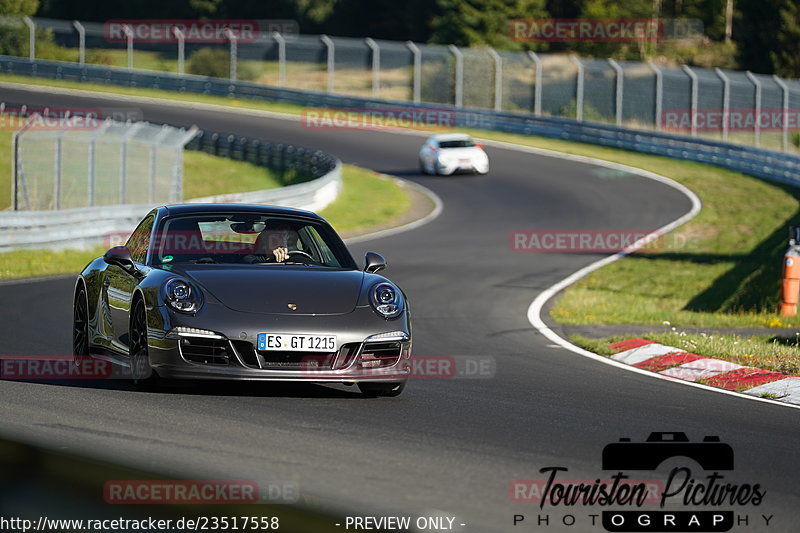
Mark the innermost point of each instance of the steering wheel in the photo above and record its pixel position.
(301, 252)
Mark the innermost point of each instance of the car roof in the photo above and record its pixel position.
(451, 137)
(188, 209)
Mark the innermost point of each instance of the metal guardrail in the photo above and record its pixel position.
(758, 162)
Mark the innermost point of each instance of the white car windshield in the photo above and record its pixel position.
(460, 143)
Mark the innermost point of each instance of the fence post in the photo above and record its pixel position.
(129, 38)
(132, 128)
(726, 102)
(16, 163)
(757, 121)
(181, 51)
(331, 63)
(154, 144)
(659, 97)
(537, 84)
(578, 89)
(785, 117)
(57, 169)
(417, 83)
(81, 41)
(459, 85)
(498, 79)
(693, 78)
(281, 58)
(31, 37)
(376, 66)
(618, 91)
(232, 39)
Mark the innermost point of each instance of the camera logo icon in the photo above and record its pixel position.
(710, 454)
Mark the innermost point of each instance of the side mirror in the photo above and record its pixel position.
(373, 262)
(120, 256)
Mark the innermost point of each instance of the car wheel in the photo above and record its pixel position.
(80, 328)
(373, 390)
(141, 373)
(422, 169)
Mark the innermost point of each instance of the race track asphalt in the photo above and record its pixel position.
(452, 445)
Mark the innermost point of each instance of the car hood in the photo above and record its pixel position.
(270, 289)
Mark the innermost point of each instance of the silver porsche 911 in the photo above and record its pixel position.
(240, 292)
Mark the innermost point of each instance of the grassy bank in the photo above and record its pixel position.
(767, 352)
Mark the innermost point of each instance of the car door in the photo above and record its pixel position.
(119, 283)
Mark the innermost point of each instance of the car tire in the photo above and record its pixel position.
(80, 328)
(374, 390)
(139, 357)
(422, 168)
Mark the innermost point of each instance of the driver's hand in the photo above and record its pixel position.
(281, 254)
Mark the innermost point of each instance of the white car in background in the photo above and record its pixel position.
(450, 153)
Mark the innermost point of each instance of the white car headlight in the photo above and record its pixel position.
(386, 299)
(181, 296)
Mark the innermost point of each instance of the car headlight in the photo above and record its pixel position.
(182, 297)
(386, 299)
(443, 159)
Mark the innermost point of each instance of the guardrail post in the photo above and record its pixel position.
(181, 41)
(537, 84)
(417, 82)
(281, 58)
(757, 108)
(693, 78)
(498, 79)
(376, 66)
(331, 63)
(31, 37)
(726, 102)
(659, 96)
(785, 117)
(129, 37)
(81, 41)
(232, 39)
(578, 89)
(458, 97)
(620, 74)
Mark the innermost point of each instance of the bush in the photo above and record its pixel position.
(215, 62)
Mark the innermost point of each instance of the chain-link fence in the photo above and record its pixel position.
(63, 164)
(733, 106)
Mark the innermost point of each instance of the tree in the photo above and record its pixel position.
(475, 22)
(786, 58)
(14, 37)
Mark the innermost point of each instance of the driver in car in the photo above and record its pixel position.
(275, 241)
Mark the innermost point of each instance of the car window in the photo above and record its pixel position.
(245, 238)
(461, 143)
(140, 239)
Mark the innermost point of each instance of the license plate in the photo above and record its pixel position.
(293, 342)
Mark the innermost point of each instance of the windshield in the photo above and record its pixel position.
(460, 143)
(245, 238)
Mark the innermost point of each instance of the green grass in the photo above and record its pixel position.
(721, 269)
(767, 352)
(366, 200)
